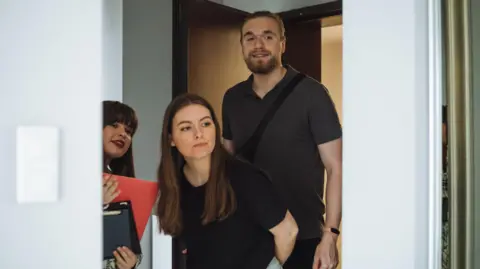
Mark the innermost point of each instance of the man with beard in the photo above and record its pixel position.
(300, 142)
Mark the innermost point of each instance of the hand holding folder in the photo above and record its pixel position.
(126, 217)
(119, 229)
(142, 194)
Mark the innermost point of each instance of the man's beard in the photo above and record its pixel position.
(258, 67)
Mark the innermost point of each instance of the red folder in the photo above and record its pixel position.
(142, 194)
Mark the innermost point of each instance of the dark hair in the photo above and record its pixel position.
(265, 14)
(219, 196)
(116, 112)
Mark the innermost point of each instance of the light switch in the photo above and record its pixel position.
(38, 150)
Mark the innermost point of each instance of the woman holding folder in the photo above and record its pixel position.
(119, 125)
(224, 210)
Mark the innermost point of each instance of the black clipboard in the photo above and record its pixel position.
(119, 229)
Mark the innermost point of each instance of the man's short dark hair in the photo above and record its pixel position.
(265, 14)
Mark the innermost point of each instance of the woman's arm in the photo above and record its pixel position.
(285, 235)
(269, 211)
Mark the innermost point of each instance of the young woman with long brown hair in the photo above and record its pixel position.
(224, 210)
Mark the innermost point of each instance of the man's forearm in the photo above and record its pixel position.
(334, 199)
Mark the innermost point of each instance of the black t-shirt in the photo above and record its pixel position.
(288, 149)
(243, 240)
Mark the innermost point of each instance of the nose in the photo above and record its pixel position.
(198, 133)
(123, 132)
(259, 42)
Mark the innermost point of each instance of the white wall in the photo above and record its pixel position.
(385, 120)
(147, 77)
(51, 74)
(271, 5)
(113, 49)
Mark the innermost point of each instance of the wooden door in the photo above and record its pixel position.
(304, 47)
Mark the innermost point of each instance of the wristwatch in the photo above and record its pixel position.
(332, 230)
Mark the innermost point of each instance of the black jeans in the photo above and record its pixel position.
(302, 254)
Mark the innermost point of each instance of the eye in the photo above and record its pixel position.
(185, 128)
(206, 124)
(115, 124)
(269, 37)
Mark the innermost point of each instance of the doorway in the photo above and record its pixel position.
(207, 50)
(207, 46)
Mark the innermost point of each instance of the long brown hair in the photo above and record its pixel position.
(117, 112)
(219, 196)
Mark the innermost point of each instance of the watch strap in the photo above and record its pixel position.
(332, 230)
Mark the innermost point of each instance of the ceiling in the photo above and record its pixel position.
(210, 12)
(274, 6)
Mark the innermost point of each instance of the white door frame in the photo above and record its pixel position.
(392, 134)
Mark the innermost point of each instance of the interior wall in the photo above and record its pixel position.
(213, 68)
(332, 63)
(385, 152)
(113, 49)
(51, 75)
(147, 87)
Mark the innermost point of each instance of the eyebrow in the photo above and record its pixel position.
(186, 121)
(269, 32)
(125, 126)
(264, 32)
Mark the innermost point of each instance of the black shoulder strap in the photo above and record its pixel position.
(248, 150)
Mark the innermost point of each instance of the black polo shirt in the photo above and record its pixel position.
(288, 149)
(243, 240)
